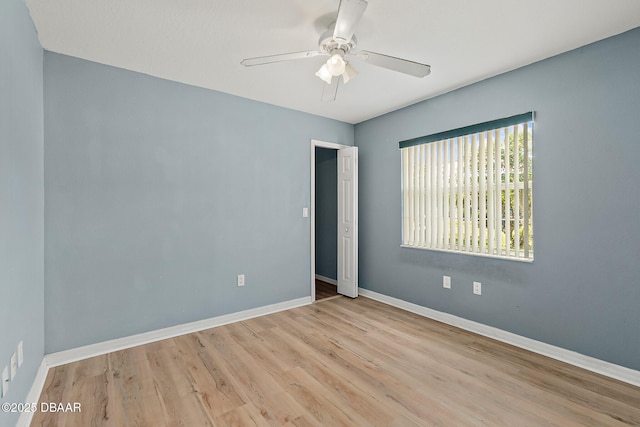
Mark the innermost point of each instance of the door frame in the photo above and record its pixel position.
(321, 144)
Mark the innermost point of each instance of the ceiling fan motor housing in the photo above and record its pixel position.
(331, 46)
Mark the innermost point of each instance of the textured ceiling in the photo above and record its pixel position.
(201, 42)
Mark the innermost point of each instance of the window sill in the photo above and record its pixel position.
(505, 258)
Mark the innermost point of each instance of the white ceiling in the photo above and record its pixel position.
(201, 42)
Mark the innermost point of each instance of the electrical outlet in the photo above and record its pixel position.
(240, 279)
(446, 282)
(20, 354)
(477, 288)
(5, 381)
(14, 365)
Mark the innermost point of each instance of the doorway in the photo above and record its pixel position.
(334, 218)
(326, 224)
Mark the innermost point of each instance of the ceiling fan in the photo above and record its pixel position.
(338, 43)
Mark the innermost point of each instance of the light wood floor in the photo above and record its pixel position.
(337, 362)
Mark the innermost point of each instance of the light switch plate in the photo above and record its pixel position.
(305, 212)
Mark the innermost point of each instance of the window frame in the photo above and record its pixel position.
(525, 173)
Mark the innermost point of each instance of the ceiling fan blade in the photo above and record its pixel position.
(330, 91)
(396, 64)
(349, 14)
(260, 60)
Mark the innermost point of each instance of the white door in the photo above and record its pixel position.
(348, 221)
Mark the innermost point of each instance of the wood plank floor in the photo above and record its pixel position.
(325, 290)
(339, 362)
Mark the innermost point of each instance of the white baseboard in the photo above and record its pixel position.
(328, 280)
(85, 352)
(34, 394)
(592, 364)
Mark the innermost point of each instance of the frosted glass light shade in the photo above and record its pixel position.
(349, 73)
(336, 65)
(324, 74)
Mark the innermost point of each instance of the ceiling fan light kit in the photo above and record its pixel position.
(337, 43)
(334, 67)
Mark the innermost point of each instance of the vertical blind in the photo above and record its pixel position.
(470, 189)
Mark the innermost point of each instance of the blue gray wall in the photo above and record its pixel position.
(21, 198)
(582, 292)
(327, 212)
(158, 194)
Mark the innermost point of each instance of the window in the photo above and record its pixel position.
(469, 190)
